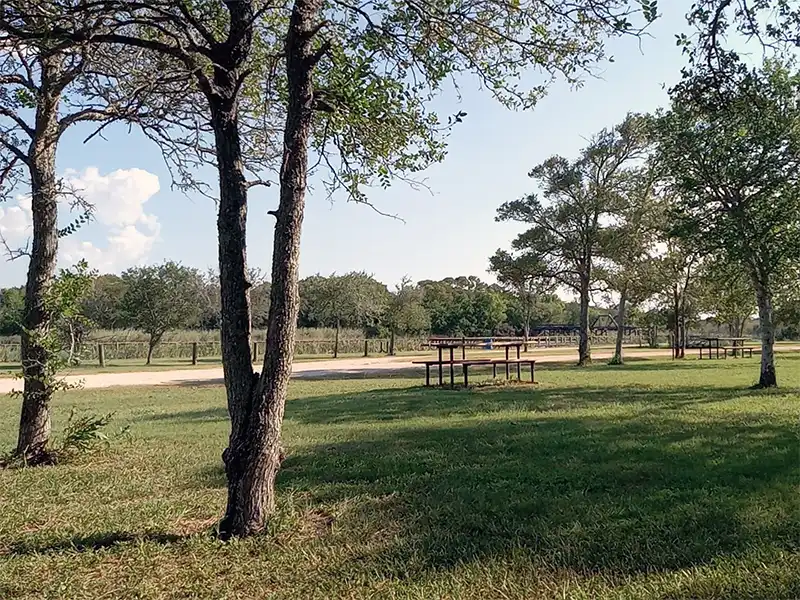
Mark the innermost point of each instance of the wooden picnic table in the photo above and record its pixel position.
(452, 345)
(718, 343)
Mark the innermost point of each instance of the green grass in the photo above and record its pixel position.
(661, 480)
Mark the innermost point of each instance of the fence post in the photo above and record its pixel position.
(194, 353)
(101, 355)
(366, 348)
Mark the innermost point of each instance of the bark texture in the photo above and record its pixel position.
(584, 339)
(34, 426)
(767, 377)
(256, 402)
(618, 359)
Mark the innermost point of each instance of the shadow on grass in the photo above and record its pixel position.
(623, 497)
(90, 543)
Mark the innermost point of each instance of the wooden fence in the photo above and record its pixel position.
(101, 352)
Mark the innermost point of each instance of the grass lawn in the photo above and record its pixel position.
(661, 480)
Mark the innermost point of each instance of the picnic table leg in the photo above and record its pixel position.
(452, 377)
(519, 371)
(427, 375)
(517, 352)
(533, 371)
(441, 379)
(466, 378)
(494, 370)
(508, 371)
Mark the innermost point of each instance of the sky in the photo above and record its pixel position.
(448, 231)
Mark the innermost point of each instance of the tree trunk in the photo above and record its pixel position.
(336, 339)
(155, 338)
(767, 377)
(391, 342)
(34, 425)
(618, 359)
(584, 341)
(254, 454)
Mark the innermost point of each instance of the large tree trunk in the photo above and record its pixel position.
(253, 457)
(618, 359)
(584, 340)
(767, 377)
(34, 425)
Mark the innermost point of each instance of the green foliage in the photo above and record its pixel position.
(62, 301)
(727, 295)
(406, 312)
(463, 306)
(161, 297)
(351, 300)
(103, 304)
(12, 310)
(731, 151)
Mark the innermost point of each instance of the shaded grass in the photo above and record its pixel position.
(655, 480)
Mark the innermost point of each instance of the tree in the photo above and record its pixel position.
(159, 298)
(12, 310)
(44, 91)
(526, 277)
(102, 305)
(732, 147)
(727, 295)
(405, 312)
(62, 302)
(566, 233)
(628, 248)
(357, 89)
(354, 299)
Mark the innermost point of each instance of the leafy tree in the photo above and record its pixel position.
(354, 299)
(727, 295)
(732, 147)
(159, 298)
(102, 305)
(357, 90)
(62, 302)
(526, 276)
(12, 310)
(406, 312)
(628, 248)
(566, 232)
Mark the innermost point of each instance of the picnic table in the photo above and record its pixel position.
(737, 347)
(450, 346)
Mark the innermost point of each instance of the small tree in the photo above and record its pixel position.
(727, 295)
(566, 232)
(354, 299)
(159, 298)
(525, 276)
(629, 266)
(405, 312)
(102, 305)
(62, 302)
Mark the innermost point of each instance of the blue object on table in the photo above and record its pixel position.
(487, 344)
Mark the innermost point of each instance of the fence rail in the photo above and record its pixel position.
(104, 351)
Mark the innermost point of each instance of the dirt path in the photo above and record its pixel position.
(352, 367)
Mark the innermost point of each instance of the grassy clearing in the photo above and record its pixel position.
(660, 480)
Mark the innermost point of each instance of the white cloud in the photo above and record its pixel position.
(15, 221)
(119, 200)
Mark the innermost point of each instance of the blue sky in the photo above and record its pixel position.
(448, 233)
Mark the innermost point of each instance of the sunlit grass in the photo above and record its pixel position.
(658, 480)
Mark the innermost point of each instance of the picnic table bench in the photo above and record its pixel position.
(718, 344)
